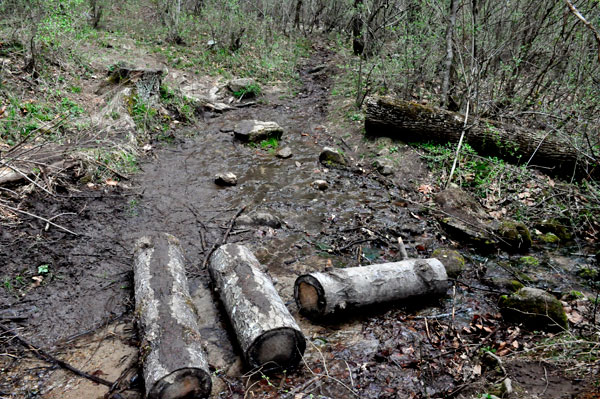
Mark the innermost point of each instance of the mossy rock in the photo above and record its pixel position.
(515, 235)
(528, 261)
(535, 308)
(550, 238)
(332, 157)
(588, 273)
(555, 227)
(453, 261)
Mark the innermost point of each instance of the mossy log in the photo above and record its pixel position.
(320, 294)
(412, 122)
(266, 331)
(174, 361)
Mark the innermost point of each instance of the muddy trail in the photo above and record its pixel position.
(82, 311)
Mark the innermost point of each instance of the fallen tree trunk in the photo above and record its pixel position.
(320, 294)
(265, 329)
(174, 362)
(412, 122)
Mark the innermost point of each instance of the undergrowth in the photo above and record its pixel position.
(525, 194)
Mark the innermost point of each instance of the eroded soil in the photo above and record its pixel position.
(82, 310)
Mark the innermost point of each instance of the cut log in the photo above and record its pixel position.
(265, 329)
(412, 122)
(174, 361)
(320, 294)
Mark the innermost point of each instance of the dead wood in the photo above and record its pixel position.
(171, 349)
(266, 331)
(320, 294)
(412, 122)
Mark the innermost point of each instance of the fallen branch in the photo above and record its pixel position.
(45, 356)
(224, 239)
(39, 218)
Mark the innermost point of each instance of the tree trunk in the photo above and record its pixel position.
(321, 294)
(412, 122)
(265, 329)
(174, 362)
(448, 63)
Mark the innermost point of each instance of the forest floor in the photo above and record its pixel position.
(71, 294)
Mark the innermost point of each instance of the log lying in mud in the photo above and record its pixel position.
(175, 364)
(412, 122)
(320, 294)
(265, 329)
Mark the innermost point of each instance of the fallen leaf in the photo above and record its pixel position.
(425, 189)
(477, 369)
(111, 182)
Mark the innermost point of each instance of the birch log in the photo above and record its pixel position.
(319, 294)
(174, 361)
(265, 329)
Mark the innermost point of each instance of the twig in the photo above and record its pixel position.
(357, 242)
(224, 239)
(460, 141)
(40, 218)
(403, 253)
(19, 171)
(45, 356)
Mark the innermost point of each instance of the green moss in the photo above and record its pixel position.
(528, 261)
(550, 238)
(515, 285)
(556, 228)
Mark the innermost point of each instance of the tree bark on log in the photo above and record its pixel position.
(174, 361)
(412, 122)
(265, 329)
(320, 294)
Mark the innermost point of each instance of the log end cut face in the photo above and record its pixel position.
(310, 296)
(188, 383)
(281, 348)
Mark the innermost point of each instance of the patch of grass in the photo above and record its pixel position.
(252, 90)
(270, 144)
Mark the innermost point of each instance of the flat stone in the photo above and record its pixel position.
(253, 131)
(384, 166)
(320, 185)
(259, 219)
(226, 179)
(237, 85)
(331, 155)
(285, 152)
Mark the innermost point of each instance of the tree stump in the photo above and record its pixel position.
(320, 294)
(174, 361)
(266, 331)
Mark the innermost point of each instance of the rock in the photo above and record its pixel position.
(384, 166)
(452, 261)
(285, 152)
(556, 228)
(259, 219)
(242, 85)
(464, 219)
(226, 179)
(535, 308)
(332, 156)
(515, 235)
(320, 185)
(254, 131)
